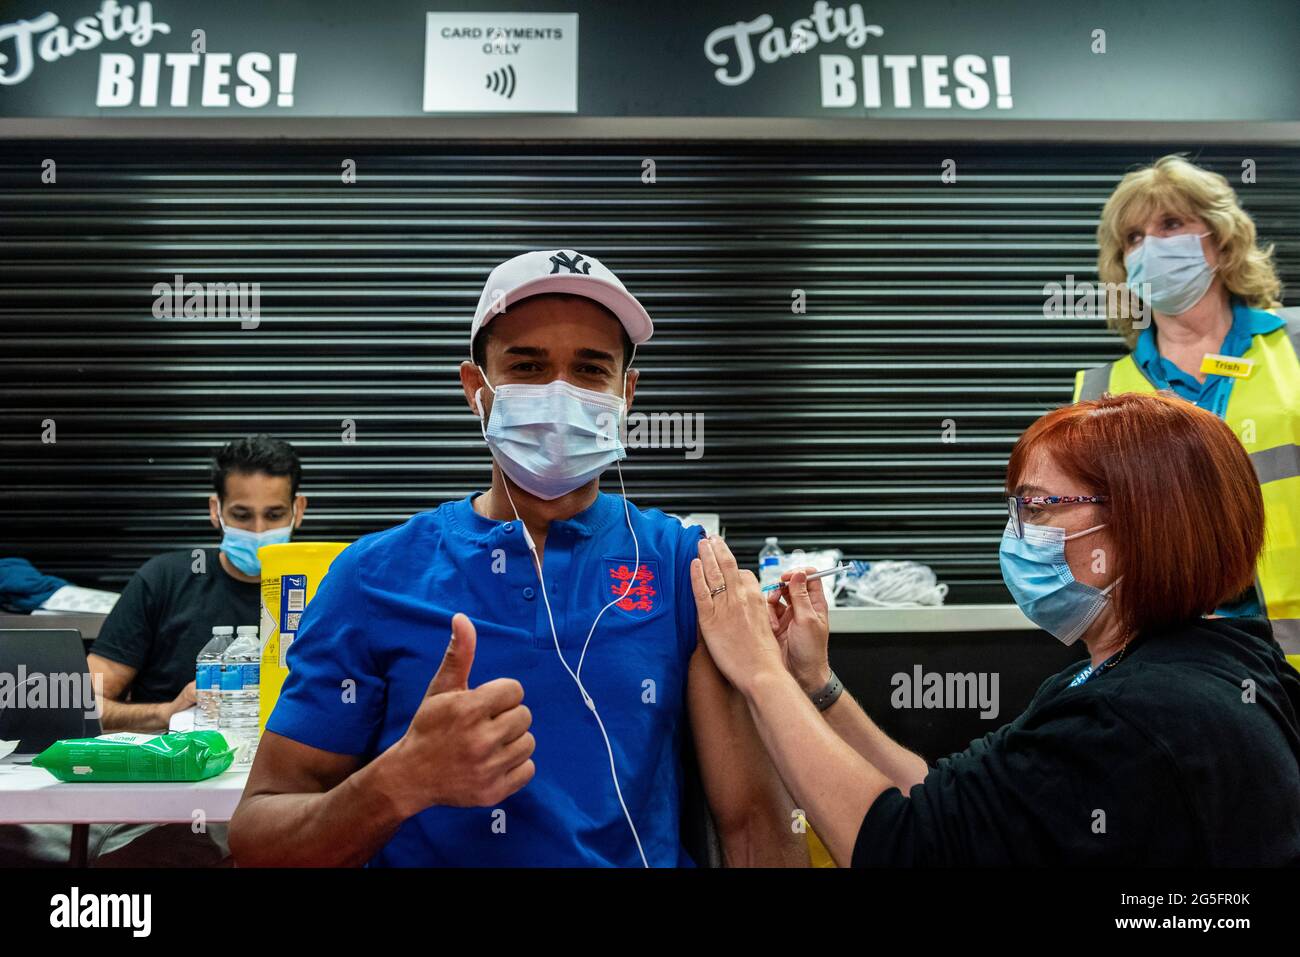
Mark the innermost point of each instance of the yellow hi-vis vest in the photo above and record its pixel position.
(1264, 412)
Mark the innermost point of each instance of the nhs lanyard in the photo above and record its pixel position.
(1088, 672)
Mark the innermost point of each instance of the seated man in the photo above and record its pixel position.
(572, 598)
(148, 644)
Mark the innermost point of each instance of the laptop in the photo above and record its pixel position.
(46, 691)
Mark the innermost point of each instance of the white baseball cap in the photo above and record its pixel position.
(559, 270)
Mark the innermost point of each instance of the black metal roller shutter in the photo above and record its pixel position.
(924, 320)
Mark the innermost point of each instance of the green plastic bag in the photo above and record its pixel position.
(123, 756)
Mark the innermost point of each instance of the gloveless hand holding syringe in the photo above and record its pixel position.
(883, 584)
(813, 577)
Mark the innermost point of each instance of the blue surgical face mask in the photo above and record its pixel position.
(1040, 580)
(241, 545)
(1173, 268)
(553, 438)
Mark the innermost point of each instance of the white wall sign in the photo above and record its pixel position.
(501, 63)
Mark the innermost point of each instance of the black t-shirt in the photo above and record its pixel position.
(1186, 752)
(165, 617)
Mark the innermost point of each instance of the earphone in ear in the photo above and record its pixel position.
(478, 393)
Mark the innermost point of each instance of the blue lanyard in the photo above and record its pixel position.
(1083, 676)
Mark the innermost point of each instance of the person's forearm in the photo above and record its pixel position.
(121, 716)
(903, 767)
(832, 783)
(342, 827)
(855, 726)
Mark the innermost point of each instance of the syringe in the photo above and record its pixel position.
(813, 577)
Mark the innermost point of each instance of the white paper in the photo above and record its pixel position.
(76, 598)
(7, 748)
(183, 720)
(711, 521)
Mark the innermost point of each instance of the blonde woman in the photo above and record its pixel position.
(1205, 325)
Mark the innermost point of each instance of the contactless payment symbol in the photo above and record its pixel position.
(501, 63)
(641, 599)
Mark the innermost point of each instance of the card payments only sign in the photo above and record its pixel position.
(501, 63)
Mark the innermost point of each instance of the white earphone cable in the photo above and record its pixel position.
(576, 675)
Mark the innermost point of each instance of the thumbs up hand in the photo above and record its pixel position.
(453, 672)
(463, 747)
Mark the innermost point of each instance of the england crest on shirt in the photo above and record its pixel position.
(635, 586)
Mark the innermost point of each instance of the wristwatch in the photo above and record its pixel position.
(828, 694)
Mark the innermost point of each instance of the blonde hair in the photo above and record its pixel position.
(1174, 185)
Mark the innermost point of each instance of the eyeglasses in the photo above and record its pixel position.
(1018, 507)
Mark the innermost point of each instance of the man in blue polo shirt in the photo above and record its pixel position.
(551, 590)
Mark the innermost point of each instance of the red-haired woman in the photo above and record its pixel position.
(1131, 518)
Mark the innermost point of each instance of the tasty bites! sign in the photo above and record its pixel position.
(905, 59)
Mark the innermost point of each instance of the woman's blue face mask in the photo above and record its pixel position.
(1039, 579)
(241, 545)
(1171, 272)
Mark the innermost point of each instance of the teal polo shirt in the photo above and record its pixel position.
(1214, 392)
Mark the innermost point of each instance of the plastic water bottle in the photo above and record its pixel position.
(240, 690)
(207, 678)
(250, 666)
(769, 562)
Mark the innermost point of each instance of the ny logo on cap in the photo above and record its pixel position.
(575, 265)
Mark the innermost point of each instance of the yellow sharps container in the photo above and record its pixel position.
(291, 573)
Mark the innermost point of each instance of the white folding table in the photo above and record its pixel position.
(31, 795)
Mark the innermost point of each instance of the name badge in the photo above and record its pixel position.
(1227, 365)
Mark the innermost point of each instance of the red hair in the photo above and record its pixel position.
(1184, 510)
